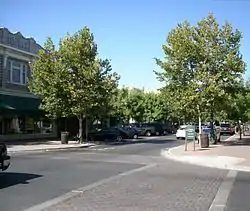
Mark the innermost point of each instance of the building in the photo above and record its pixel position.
(20, 116)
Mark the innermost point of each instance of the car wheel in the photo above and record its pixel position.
(157, 133)
(148, 133)
(135, 136)
(178, 137)
(119, 138)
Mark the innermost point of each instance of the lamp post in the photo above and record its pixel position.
(199, 115)
(212, 133)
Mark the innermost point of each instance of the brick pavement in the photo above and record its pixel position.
(233, 152)
(172, 187)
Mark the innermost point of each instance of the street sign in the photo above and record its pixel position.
(190, 133)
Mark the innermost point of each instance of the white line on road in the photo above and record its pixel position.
(72, 193)
(220, 200)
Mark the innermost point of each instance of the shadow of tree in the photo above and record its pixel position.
(8, 179)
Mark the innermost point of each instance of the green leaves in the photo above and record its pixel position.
(205, 57)
(140, 106)
(73, 80)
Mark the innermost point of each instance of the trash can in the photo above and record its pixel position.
(64, 137)
(204, 142)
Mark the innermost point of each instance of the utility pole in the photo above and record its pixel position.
(212, 125)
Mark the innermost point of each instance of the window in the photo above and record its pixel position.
(16, 72)
(8, 70)
(24, 74)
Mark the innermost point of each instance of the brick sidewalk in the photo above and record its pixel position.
(155, 188)
(232, 153)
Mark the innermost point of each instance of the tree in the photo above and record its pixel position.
(48, 82)
(154, 107)
(108, 89)
(120, 102)
(136, 104)
(202, 65)
(140, 106)
(73, 80)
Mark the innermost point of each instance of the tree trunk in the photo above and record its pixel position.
(108, 121)
(80, 129)
(240, 130)
(200, 129)
(86, 128)
(212, 135)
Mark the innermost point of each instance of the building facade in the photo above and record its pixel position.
(20, 116)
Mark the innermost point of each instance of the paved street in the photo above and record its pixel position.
(115, 177)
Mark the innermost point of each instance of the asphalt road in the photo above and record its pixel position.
(36, 178)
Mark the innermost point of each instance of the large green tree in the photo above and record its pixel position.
(73, 80)
(140, 106)
(120, 109)
(202, 65)
(49, 82)
(136, 104)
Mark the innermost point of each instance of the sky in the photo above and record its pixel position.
(129, 32)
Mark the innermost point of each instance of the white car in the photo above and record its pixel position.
(181, 132)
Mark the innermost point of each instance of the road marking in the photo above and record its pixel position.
(77, 191)
(220, 200)
(73, 193)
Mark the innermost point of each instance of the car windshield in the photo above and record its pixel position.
(183, 127)
(110, 130)
(225, 125)
(206, 130)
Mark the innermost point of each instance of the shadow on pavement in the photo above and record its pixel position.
(8, 179)
(237, 143)
(31, 142)
(244, 141)
(137, 141)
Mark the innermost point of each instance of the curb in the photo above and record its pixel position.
(51, 149)
(167, 153)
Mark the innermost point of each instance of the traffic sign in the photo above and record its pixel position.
(190, 133)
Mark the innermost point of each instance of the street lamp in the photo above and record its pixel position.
(212, 134)
(198, 90)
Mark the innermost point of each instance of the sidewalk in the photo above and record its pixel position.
(47, 145)
(44, 145)
(229, 154)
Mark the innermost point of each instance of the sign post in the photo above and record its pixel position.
(190, 135)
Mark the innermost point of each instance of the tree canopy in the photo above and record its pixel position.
(73, 80)
(202, 65)
(140, 106)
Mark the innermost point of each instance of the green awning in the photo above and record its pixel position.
(22, 105)
(4, 106)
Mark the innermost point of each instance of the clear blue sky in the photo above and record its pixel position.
(130, 32)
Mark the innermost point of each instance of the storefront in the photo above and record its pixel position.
(21, 118)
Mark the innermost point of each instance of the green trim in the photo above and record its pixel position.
(4, 106)
(22, 105)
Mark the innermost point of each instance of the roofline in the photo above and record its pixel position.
(18, 50)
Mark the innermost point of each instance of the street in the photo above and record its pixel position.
(114, 177)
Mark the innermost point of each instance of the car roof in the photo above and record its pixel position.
(183, 126)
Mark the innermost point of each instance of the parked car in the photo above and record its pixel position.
(4, 157)
(226, 129)
(132, 131)
(109, 134)
(149, 129)
(181, 132)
